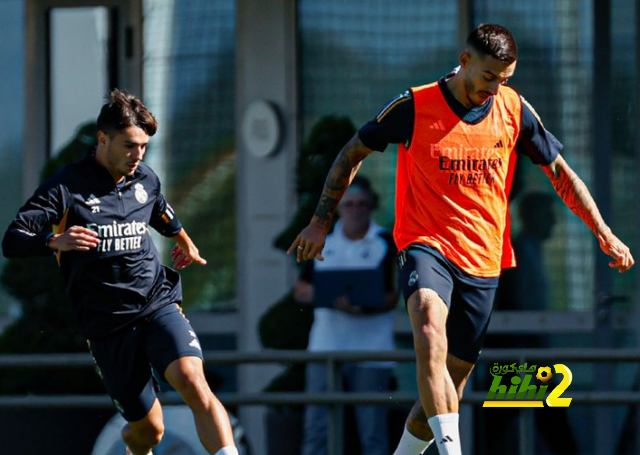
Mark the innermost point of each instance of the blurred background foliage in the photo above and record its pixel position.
(46, 324)
(205, 204)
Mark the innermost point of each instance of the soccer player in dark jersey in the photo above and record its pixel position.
(458, 141)
(95, 216)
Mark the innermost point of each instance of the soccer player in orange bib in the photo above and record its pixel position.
(458, 141)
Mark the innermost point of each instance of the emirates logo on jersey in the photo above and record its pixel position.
(119, 236)
(469, 166)
(446, 163)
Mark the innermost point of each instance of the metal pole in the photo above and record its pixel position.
(465, 21)
(335, 437)
(602, 156)
(526, 425)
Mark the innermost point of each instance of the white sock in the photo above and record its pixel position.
(410, 445)
(228, 450)
(446, 433)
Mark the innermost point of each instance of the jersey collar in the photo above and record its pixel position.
(473, 115)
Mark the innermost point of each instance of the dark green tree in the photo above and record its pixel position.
(326, 139)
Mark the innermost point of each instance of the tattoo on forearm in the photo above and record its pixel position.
(575, 195)
(325, 210)
(340, 175)
(334, 187)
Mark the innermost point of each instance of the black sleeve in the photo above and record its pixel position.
(164, 218)
(535, 141)
(389, 263)
(28, 233)
(392, 125)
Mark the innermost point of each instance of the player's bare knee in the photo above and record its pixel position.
(148, 434)
(424, 299)
(428, 315)
(186, 375)
(426, 307)
(182, 381)
(430, 344)
(430, 340)
(153, 438)
(195, 391)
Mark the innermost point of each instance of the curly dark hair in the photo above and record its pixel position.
(123, 110)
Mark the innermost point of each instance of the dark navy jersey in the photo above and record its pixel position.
(394, 125)
(122, 279)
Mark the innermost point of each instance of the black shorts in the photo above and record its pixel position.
(125, 360)
(469, 299)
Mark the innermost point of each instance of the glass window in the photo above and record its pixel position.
(78, 39)
(189, 70)
(555, 41)
(358, 55)
(625, 125)
(554, 75)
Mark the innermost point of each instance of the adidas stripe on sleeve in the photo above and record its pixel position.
(392, 125)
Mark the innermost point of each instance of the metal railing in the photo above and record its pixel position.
(334, 398)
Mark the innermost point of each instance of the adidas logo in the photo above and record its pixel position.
(446, 439)
(437, 126)
(92, 200)
(499, 145)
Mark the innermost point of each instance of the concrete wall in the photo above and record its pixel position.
(266, 70)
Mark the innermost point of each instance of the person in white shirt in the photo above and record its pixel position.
(356, 243)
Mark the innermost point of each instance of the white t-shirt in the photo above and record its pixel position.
(334, 330)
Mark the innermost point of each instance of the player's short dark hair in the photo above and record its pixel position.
(123, 110)
(495, 41)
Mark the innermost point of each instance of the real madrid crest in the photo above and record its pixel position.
(140, 193)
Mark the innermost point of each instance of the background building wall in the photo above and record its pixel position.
(266, 71)
(11, 119)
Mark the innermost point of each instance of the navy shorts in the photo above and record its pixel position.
(125, 360)
(469, 299)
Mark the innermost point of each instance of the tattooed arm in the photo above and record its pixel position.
(309, 243)
(576, 196)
